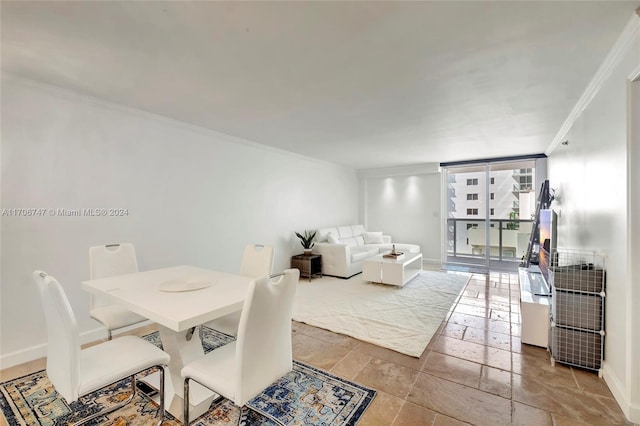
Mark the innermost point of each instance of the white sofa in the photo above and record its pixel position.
(343, 248)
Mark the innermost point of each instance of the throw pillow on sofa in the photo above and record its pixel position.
(373, 238)
(332, 238)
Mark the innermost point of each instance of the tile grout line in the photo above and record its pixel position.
(339, 361)
(404, 402)
(420, 371)
(361, 368)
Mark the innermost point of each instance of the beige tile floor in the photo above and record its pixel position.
(474, 371)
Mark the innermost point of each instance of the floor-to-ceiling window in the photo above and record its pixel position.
(489, 210)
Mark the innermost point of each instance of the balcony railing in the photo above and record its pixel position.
(508, 238)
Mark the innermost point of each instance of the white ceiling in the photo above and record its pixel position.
(366, 84)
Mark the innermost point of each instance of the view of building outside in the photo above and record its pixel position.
(510, 197)
(508, 188)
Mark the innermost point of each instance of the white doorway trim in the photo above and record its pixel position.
(633, 245)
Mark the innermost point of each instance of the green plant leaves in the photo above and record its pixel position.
(306, 240)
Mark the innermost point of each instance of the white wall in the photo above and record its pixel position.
(193, 197)
(405, 203)
(590, 178)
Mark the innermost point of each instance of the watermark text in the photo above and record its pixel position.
(64, 212)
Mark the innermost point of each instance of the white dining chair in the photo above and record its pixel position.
(257, 261)
(260, 355)
(108, 261)
(75, 372)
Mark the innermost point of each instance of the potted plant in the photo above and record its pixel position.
(306, 240)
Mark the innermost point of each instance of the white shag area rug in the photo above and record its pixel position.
(400, 318)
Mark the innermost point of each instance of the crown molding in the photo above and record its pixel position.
(622, 45)
(635, 74)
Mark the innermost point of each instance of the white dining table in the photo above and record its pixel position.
(177, 299)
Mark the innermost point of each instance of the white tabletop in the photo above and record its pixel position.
(178, 310)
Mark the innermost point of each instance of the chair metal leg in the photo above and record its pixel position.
(161, 410)
(242, 417)
(111, 409)
(185, 406)
(128, 400)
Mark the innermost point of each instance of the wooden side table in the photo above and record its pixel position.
(308, 265)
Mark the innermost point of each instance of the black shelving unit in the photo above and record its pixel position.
(577, 309)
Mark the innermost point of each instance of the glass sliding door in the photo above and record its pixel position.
(488, 214)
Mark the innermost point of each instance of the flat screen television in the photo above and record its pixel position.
(544, 201)
(548, 237)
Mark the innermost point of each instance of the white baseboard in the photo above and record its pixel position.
(39, 351)
(634, 414)
(22, 356)
(630, 410)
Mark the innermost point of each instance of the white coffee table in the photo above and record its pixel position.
(379, 269)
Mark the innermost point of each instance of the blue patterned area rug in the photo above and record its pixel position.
(306, 396)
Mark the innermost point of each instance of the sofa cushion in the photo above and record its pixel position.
(322, 233)
(405, 248)
(358, 230)
(345, 232)
(332, 238)
(340, 231)
(360, 253)
(373, 238)
(351, 241)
